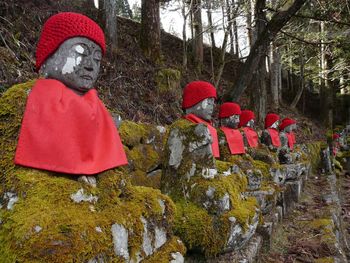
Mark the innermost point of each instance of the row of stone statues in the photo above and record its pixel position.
(56, 130)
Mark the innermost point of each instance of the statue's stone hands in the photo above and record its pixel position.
(201, 146)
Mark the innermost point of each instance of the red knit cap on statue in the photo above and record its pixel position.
(286, 122)
(228, 109)
(246, 116)
(60, 27)
(196, 91)
(270, 119)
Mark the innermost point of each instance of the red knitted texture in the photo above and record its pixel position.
(246, 116)
(335, 136)
(270, 119)
(286, 122)
(228, 109)
(196, 91)
(63, 26)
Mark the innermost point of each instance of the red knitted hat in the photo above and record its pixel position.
(286, 122)
(270, 119)
(60, 27)
(228, 109)
(246, 116)
(197, 91)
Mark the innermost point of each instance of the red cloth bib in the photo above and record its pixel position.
(252, 137)
(64, 132)
(275, 137)
(215, 144)
(234, 140)
(291, 139)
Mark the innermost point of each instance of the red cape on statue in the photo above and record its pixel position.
(67, 133)
(215, 144)
(234, 140)
(275, 137)
(291, 139)
(252, 137)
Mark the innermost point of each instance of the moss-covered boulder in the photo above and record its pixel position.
(51, 217)
(212, 214)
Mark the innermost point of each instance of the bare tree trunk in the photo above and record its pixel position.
(110, 7)
(198, 35)
(325, 93)
(150, 30)
(184, 33)
(250, 12)
(210, 24)
(274, 76)
(260, 47)
(229, 18)
(302, 83)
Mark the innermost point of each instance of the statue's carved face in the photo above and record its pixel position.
(251, 123)
(203, 109)
(76, 63)
(232, 121)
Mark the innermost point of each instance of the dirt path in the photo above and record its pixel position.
(310, 233)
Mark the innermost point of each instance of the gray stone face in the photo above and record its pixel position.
(176, 148)
(80, 196)
(76, 63)
(231, 122)
(120, 241)
(203, 109)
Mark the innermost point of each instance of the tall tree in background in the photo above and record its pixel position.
(260, 47)
(150, 29)
(111, 10)
(198, 34)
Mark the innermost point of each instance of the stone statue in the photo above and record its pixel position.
(287, 138)
(195, 179)
(229, 115)
(247, 123)
(65, 132)
(270, 136)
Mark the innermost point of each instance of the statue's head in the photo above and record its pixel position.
(229, 114)
(336, 137)
(287, 125)
(70, 50)
(247, 119)
(272, 120)
(199, 99)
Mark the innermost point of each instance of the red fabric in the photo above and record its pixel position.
(196, 91)
(252, 137)
(245, 117)
(64, 132)
(215, 144)
(228, 109)
(286, 122)
(291, 139)
(63, 26)
(234, 140)
(275, 137)
(270, 119)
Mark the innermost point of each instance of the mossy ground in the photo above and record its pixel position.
(45, 225)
